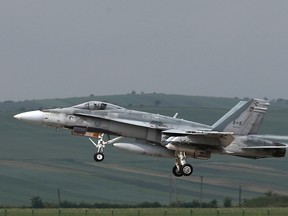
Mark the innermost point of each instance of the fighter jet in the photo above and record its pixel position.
(157, 135)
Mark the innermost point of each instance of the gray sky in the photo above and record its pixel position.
(55, 49)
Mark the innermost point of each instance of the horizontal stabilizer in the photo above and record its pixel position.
(266, 147)
(273, 137)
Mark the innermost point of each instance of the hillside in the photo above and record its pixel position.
(36, 161)
(128, 100)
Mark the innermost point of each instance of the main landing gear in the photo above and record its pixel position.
(181, 167)
(99, 155)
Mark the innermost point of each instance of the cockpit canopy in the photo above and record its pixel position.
(97, 105)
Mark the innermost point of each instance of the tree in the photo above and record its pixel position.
(270, 193)
(157, 102)
(213, 203)
(280, 100)
(36, 202)
(270, 199)
(227, 202)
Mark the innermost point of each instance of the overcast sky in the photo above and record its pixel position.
(56, 49)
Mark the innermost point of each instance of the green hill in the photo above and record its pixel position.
(129, 100)
(36, 161)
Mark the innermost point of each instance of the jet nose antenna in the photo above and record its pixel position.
(32, 116)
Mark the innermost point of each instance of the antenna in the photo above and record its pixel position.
(59, 196)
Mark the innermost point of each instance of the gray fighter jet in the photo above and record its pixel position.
(163, 136)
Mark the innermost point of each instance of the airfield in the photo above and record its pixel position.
(38, 161)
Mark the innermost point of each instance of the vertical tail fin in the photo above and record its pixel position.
(244, 118)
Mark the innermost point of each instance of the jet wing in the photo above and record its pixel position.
(201, 137)
(195, 132)
(111, 117)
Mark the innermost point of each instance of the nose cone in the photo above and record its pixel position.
(32, 116)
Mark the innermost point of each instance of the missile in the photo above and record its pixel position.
(150, 149)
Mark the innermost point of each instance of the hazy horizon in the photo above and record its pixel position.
(59, 49)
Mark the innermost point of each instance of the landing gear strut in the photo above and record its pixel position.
(99, 155)
(181, 167)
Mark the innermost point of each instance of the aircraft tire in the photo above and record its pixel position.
(186, 170)
(176, 172)
(98, 157)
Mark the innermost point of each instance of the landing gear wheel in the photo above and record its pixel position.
(186, 169)
(177, 172)
(98, 157)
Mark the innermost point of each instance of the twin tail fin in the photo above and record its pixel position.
(243, 119)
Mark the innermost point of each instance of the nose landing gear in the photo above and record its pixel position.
(99, 155)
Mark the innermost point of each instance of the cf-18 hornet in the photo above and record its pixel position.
(157, 135)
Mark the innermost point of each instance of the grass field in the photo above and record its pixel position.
(147, 212)
(36, 161)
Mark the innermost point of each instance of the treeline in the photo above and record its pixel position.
(36, 202)
(269, 199)
(194, 204)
